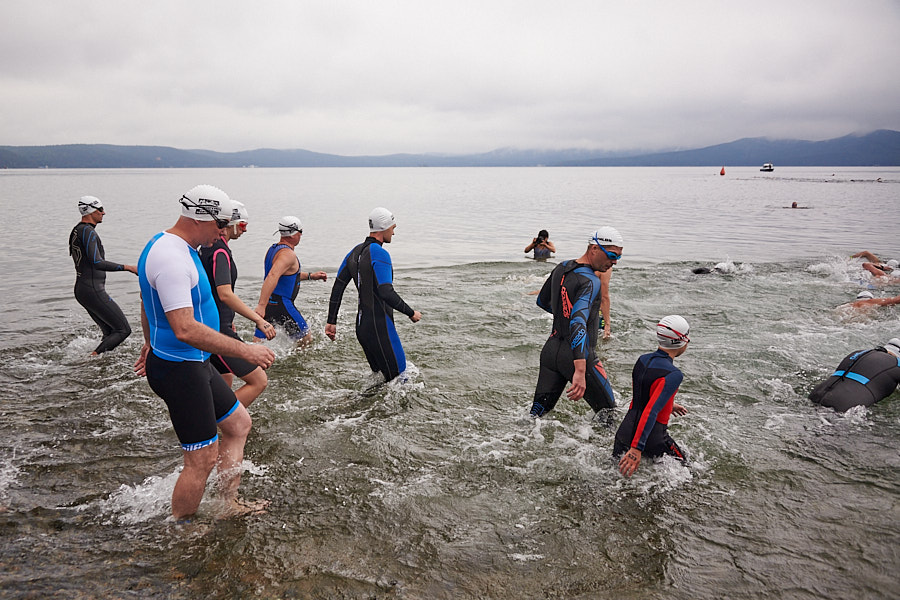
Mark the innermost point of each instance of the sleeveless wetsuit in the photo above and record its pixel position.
(655, 380)
(863, 378)
(91, 266)
(171, 277)
(572, 295)
(280, 309)
(540, 252)
(369, 266)
(221, 270)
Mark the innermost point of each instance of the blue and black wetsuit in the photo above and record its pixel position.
(221, 270)
(572, 295)
(655, 380)
(863, 378)
(91, 266)
(280, 309)
(369, 266)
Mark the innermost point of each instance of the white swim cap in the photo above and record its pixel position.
(380, 219)
(288, 226)
(865, 295)
(206, 203)
(88, 204)
(893, 263)
(672, 332)
(893, 346)
(607, 236)
(238, 213)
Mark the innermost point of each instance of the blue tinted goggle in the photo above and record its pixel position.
(610, 255)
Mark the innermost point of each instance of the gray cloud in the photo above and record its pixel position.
(355, 77)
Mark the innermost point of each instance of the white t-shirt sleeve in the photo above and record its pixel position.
(171, 272)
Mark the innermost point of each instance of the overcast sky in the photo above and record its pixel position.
(358, 77)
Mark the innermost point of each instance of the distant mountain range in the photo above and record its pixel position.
(879, 148)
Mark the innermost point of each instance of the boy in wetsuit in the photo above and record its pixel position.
(655, 380)
(91, 266)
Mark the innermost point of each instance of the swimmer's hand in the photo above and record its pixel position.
(331, 331)
(267, 328)
(578, 387)
(140, 365)
(319, 276)
(678, 409)
(259, 355)
(416, 316)
(629, 462)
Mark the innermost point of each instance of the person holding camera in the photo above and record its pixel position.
(541, 245)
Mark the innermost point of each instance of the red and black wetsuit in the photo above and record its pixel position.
(655, 380)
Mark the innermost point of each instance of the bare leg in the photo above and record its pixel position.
(232, 437)
(254, 384)
(198, 464)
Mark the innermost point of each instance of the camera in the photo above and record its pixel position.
(540, 239)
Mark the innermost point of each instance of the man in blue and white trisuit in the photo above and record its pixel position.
(369, 266)
(180, 322)
(91, 267)
(863, 378)
(572, 295)
(282, 282)
(655, 380)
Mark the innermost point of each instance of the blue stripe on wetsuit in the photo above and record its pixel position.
(853, 376)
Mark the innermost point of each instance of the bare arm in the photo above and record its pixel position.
(531, 246)
(231, 300)
(605, 302)
(550, 245)
(198, 335)
(285, 259)
(866, 255)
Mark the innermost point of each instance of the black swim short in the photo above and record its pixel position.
(196, 395)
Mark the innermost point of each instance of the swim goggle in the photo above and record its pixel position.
(681, 337)
(92, 204)
(220, 223)
(290, 227)
(609, 255)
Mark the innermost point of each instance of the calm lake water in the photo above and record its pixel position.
(442, 487)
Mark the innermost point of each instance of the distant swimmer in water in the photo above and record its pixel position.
(91, 266)
(655, 381)
(572, 295)
(866, 300)
(541, 245)
(863, 378)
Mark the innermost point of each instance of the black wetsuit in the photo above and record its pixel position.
(369, 266)
(655, 381)
(572, 295)
(91, 266)
(863, 378)
(221, 270)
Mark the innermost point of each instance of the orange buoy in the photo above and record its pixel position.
(722, 172)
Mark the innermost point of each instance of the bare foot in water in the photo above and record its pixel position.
(241, 508)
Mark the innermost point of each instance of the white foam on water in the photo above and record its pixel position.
(151, 499)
